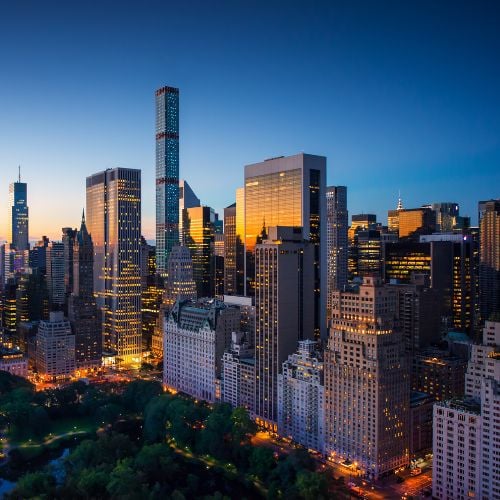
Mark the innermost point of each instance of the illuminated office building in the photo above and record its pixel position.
(289, 191)
(459, 260)
(284, 303)
(83, 313)
(18, 215)
(367, 390)
(489, 255)
(114, 221)
(167, 174)
(359, 223)
(336, 239)
(199, 236)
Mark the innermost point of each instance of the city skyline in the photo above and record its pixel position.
(387, 116)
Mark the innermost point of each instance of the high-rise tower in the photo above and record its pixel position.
(288, 191)
(167, 174)
(114, 221)
(18, 220)
(284, 304)
(489, 258)
(83, 312)
(336, 236)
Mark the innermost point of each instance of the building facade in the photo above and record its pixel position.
(196, 335)
(288, 191)
(55, 348)
(83, 313)
(301, 401)
(167, 174)
(337, 221)
(367, 390)
(466, 431)
(114, 221)
(284, 302)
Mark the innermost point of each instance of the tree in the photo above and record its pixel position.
(124, 483)
(311, 486)
(262, 462)
(156, 462)
(139, 393)
(243, 426)
(34, 485)
(91, 483)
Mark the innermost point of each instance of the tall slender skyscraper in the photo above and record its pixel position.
(337, 222)
(18, 220)
(289, 191)
(114, 221)
(167, 174)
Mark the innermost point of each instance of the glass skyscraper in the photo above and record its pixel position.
(288, 191)
(18, 220)
(114, 221)
(167, 174)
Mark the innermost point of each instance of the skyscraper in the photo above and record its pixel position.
(199, 236)
(55, 275)
(18, 220)
(489, 258)
(284, 302)
(82, 310)
(167, 174)
(367, 390)
(336, 239)
(289, 191)
(114, 221)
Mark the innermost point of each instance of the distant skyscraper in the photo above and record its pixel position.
(416, 221)
(367, 389)
(337, 222)
(447, 216)
(187, 199)
(83, 313)
(284, 303)
(489, 258)
(18, 220)
(167, 174)
(114, 221)
(289, 191)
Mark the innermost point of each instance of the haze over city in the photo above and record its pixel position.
(397, 96)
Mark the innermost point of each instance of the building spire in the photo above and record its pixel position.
(19, 169)
(400, 201)
(83, 216)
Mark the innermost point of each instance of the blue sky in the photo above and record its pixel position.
(397, 95)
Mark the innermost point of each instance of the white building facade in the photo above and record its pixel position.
(466, 440)
(301, 397)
